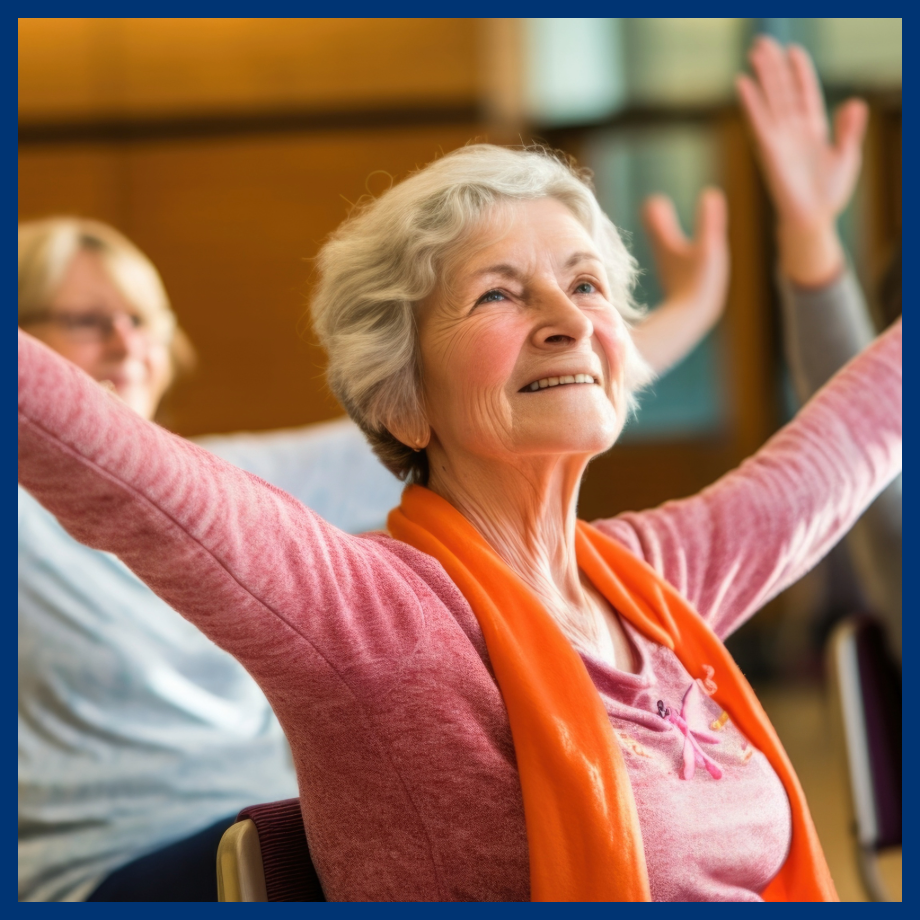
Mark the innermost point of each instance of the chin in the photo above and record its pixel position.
(592, 435)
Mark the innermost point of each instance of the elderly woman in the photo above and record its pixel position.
(493, 701)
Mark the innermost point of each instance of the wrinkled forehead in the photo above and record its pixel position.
(522, 231)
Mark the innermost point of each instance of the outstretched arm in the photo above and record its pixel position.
(254, 569)
(811, 177)
(737, 544)
(694, 276)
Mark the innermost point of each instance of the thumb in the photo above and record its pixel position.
(711, 218)
(660, 218)
(850, 122)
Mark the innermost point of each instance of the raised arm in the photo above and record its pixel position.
(249, 565)
(744, 539)
(693, 274)
(811, 177)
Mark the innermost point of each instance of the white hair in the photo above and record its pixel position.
(390, 255)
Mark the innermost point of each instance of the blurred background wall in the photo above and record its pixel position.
(228, 149)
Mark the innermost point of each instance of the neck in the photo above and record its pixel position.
(526, 511)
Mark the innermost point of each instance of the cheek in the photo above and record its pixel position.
(476, 362)
(614, 342)
(88, 356)
(159, 368)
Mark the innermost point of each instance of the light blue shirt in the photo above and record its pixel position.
(134, 729)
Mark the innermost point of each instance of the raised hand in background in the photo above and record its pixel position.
(693, 275)
(810, 174)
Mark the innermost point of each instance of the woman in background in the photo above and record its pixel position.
(139, 739)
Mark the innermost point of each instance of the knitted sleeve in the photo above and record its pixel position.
(738, 543)
(824, 328)
(253, 568)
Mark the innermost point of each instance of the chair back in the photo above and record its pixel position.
(265, 857)
(866, 687)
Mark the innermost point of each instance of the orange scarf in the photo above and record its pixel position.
(583, 831)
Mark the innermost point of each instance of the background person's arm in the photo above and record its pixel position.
(328, 466)
(693, 274)
(811, 178)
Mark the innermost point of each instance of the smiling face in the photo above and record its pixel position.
(525, 355)
(91, 323)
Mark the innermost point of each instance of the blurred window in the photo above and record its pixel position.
(678, 160)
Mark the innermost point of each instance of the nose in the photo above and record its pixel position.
(560, 321)
(125, 337)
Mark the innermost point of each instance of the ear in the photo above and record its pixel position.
(412, 430)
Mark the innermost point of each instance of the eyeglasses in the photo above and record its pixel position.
(91, 326)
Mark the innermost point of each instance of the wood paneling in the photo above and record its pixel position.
(84, 181)
(232, 226)
(85, 69)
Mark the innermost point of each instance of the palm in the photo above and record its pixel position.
(808, 177)
(811, 176)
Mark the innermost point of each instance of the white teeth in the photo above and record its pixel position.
(545, 382)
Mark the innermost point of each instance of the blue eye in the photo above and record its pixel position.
(585, 287)
(491, 297)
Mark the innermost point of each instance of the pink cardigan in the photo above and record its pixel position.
(369, 655)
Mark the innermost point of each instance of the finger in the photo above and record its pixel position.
(809, 87)
(850, 122)
(754, 106)
(768, 59)
(662, 223)
(711, 229)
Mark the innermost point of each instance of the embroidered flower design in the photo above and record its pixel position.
(706, 682)
(631, 745)
(693, 754)
(718, 724)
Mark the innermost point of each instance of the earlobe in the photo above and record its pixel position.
(414, 432)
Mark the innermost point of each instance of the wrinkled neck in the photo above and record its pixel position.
(526, 511)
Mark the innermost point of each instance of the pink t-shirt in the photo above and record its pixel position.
(705, 838)
(376, 666)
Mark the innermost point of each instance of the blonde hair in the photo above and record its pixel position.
(46, 249)
(391, 253)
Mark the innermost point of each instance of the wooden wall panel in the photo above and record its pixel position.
(232, 225)
(62, 68)
(79, 69)
(84, 181)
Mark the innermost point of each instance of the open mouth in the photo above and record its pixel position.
(544, 383)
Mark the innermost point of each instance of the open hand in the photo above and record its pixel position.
(810, 175)
(693, 275)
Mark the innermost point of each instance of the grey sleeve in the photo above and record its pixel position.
(823, 329)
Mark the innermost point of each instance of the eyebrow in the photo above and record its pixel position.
(577, 257)
(509, 271)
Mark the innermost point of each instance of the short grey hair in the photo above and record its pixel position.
(390, 255)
